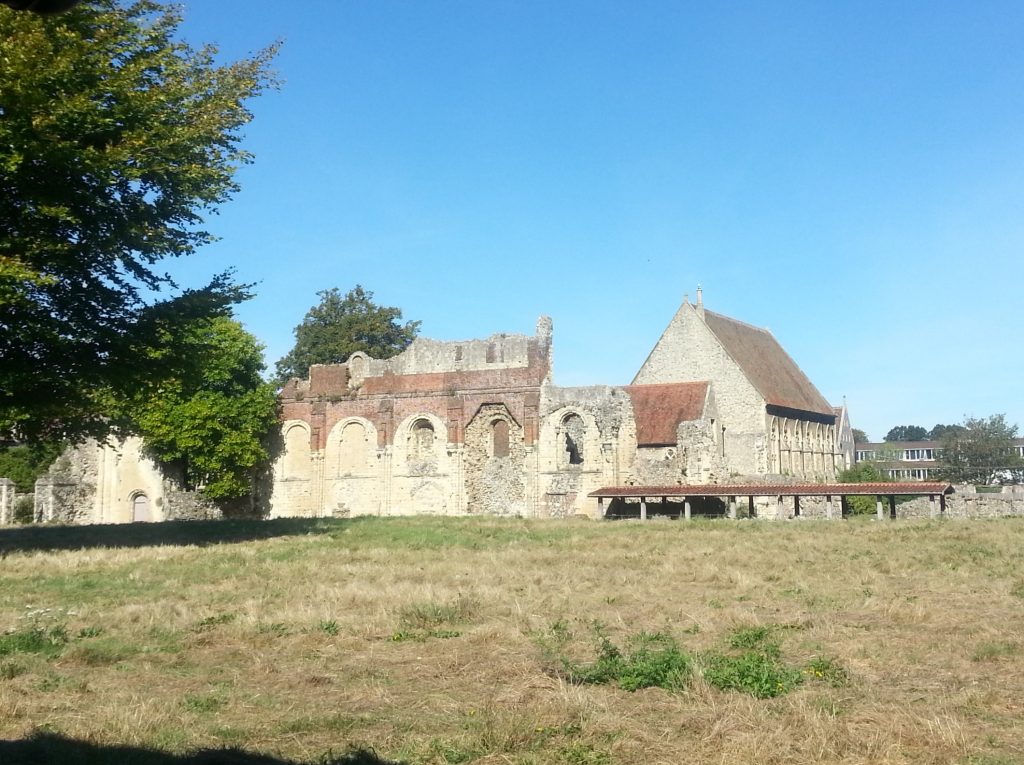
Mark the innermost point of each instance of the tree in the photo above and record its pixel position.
(115, 140)
(338, 326)
(863, 472)
(981, 451)
(213, 424)
(907, 433)
(24, 463)
(860, 437)
(940, 431)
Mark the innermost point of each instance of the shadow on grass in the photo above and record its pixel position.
(45, 748)
(202, 533)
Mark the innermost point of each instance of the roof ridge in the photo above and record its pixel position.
(740, 322)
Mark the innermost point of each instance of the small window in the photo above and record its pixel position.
(499, 438)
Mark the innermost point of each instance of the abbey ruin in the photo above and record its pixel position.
(479, 427)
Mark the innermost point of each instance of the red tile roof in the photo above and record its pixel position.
(658, 409)
(768, 367)
(774, 490)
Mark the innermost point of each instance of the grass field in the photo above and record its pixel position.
(432, 640)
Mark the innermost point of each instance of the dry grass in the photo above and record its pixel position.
(424, 639)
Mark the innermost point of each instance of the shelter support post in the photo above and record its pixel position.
(751, 510)
(878, 507)
(778, 507)
(732, 508)
(686, 508)
(828, 507)
(600, 507)
(844, 507)
(892, 506)
(942, 504)
(796, 505)
(643, 508)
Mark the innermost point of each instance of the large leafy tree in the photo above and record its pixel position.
(212, 423)
(907, 433)
(863, 472)
(981, 451)
(115, 140)
(339, 325)
(940, 431)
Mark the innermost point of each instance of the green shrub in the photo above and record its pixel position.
(25, 509)
(652, 660)
(759, 673)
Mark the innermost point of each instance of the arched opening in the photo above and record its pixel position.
(295, 461)
(352, 449)
(421, 441)
(140, 509)
(499, 438)
(573, 433)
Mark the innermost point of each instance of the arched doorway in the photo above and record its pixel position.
(140, 509)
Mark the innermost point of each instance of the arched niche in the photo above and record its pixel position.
(295, 458)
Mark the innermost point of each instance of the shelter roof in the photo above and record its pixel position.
(768, 367)
(918, 488)
(658, 409)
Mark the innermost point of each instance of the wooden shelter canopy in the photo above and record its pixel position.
(915, 488)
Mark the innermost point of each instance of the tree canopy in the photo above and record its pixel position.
(860, 437)
(339, 325)
(115, 140)
(906, 433)
(981, 451)
(213, 423)
(863, 472)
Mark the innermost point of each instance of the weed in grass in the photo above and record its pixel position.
(98, 653)
(90, 632)
(423, 635)
(277, 629)
(651, 660)
(330, 627)
(581, 753)
(1018, 589)
(49, 641)
(425, 616)
(994, 651)
(749, 637)
(11, 669)
(213, 621)
(203, 703)
(828, 671)
(755, 672)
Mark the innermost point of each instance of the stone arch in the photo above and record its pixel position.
(419, 443)
(573, 434)
(295, 458)
(570, 438)
(351, 447)
(141, 507)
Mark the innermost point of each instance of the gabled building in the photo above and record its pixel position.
(772, 420)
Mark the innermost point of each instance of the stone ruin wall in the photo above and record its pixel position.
(496, 484)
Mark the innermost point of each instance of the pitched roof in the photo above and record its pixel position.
(768, 367)
(658, 409)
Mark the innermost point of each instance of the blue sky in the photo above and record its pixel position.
(849, 175)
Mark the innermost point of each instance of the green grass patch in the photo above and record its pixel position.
(995, 651)
(49, 641)
(648, 660)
